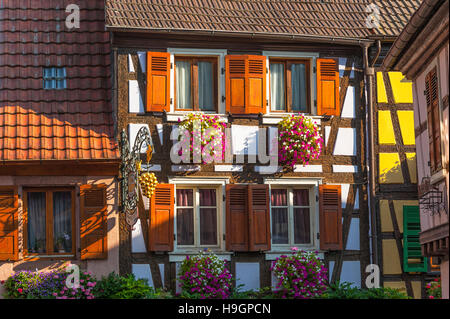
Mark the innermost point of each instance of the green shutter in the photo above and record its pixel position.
(413, 261)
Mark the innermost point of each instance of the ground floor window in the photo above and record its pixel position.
(49, 221)
(197, 219)
(291, 216)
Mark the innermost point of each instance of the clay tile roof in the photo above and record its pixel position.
(316, 18)
(75, 123)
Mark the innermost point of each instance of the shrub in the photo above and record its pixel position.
(299, 140)
(47, 285)
(434, 290)
(301, 275)
(122, 287)
(346, 291)
(205, 276)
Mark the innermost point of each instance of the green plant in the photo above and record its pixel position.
(346, 291)
(122, 287)
(205, 276)
(434, 290)
(262, 293)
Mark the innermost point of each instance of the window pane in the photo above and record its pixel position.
(279, 197)
(301, 226)
(277, 85)
(183, 79)
(184, 197)
(62, 222)
(298, 75)
(280, 226)
(208, 226)
(185, 226)
(207, 197)
(36, 222)
(205, 86)
(301, 197)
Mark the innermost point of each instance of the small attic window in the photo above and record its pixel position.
(55, 78)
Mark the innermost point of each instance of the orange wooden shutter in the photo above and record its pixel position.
(161, 218)
(237, 218)
(235, 78)
(330, 217)
(256, 84)
(158, 81)
(8, 223)
(93, 222)
(259, 217)
(245, 84)
(327, 87)
(434, 134)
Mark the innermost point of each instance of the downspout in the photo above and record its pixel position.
(370, 155)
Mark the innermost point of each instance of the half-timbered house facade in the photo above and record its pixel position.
(251, 63)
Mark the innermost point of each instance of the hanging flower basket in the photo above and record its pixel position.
(210, 131)
(299, 141)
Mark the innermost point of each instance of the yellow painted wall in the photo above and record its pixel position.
(406, 119)
(385, 128)
(401, 87)
(385, 214)
(381, 89)
(412, 166)
(391, 258)
(390, 169)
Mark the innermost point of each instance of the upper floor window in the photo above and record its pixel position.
(55, 78)
(289, 85)
(196, 84)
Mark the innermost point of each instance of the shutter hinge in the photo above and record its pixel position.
(222, 71)
(318, 235)
(317, 198)
(223, 236)
(315, 103)
(171, 100)
(171, 66)
(174, 237)
(314, 69)
(267, 71)
(267, 102)
(223, 98)
(224, 198)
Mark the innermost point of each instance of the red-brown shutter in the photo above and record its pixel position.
(158, 81)
(330, 217)
(93, 222)
(327, 87)
(8, 223)
(245, 79)
(433, 118)
(259, 217)
(161, 218)
(237, 218)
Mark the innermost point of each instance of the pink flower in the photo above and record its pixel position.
(20, 290)
(431, 297)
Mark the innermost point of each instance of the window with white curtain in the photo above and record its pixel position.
(291, 214)
(196, 84)
(49, 221)
(197, 216)
(289, 85)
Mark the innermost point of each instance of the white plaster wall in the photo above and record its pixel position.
(248, 275)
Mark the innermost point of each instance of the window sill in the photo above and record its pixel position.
(275, 118)
(274, 254)
(180, 116)
(179, 256)
(437, 176)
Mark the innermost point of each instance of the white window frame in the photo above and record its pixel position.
(274, 117)
(180, 252)
(312, 184)
(220, 54)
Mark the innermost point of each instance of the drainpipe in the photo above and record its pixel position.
(370, 155)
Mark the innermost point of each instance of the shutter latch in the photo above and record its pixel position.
(222, 71)
(318, 235)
